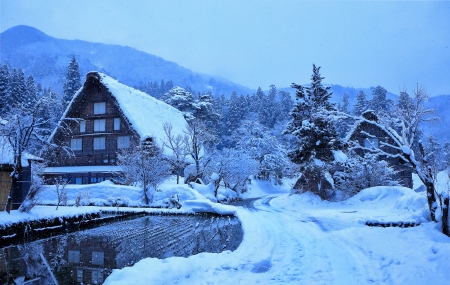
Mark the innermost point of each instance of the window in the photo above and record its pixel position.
(97, 276)
(123, 142)
(99, 143)
(80, 275)
(117, 124)
(82, 126)
(371, 143)
(93, 180)
(99, 108)
(97, 258)
(74, 256)
(99, 125)
(76, 144)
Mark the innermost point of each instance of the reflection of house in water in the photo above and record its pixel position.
(89, 256)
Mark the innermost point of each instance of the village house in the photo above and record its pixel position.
(368, 136)
(7, 167)
(103, 118)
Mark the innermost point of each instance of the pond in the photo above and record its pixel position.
(88, 257)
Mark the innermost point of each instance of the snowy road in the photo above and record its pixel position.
(302, 250)
(288, 243)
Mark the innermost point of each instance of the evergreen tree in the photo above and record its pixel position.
(4, 89)
(31, 94)
(73, 80)
(205, 110)
(18, 88)
(433, 153)
(234, 115)
(268, 109)
(182, 100)
(311, 126)
(345, 104)
(404, 101)
(446, 153)
(162, 88)
(286, 105)
(361, 103)
(379, 102)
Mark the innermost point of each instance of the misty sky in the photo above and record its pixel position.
(258, 43)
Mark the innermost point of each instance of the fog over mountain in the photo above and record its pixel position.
(47, 58)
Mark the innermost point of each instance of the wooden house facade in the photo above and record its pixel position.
(103, 118)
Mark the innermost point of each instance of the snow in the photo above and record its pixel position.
(83, 169)
(300, 239)
(442, 182)
(107, 193)
(405, 149)
(339, 156)
(291, 238)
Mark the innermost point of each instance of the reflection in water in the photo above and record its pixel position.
(88, 257)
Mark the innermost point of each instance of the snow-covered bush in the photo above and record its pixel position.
(144, 166)
(232, 168)
(255, 140)
(357, 173)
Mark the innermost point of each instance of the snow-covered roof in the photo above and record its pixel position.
(145, 113)
(83, 169)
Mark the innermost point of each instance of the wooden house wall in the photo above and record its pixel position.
(5, 186)
(404, 172)
(93, 92)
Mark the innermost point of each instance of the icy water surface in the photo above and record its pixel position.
(88, 257)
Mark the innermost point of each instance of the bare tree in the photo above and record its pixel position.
(61, 191)
(177, 144)
(25, 130)
(198, 140)
(145, 167)
(403, 131)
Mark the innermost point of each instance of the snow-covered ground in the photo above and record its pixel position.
(299, 239)
(294, 239)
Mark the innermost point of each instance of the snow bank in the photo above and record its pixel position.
(107, 193)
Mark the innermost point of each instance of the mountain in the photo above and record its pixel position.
(47, 58)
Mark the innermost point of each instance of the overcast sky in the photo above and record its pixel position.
(258, 43)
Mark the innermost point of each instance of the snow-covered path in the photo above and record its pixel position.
(302, 250)
(294, 241)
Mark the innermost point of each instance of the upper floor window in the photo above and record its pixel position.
(99, 143)
(117, 124)
(99, 125)
(371, 143)
(74, 256)
(98, 258)
(76, 144)
(82, 126)
(123, 142)
(99, 108)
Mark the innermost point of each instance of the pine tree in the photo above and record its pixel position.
(18, 89)
(433, 152)
(314, 131)
(446, 153)
(31, 94)
(234, 115)
(345, 104)
(286, 105)
(73, 81)
(361, 103)
(4, 89)
(379, 102)
(404, 101)
(182, 100)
